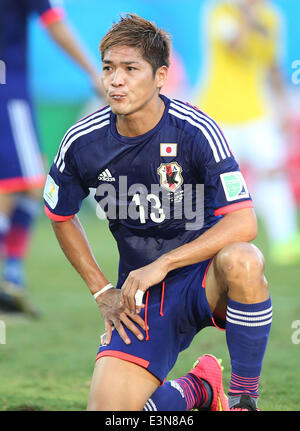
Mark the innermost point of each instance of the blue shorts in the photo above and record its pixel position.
(175, 312)
(21, 163)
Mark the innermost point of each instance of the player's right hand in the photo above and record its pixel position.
(116, 315)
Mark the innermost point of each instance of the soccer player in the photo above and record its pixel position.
(243, 67)
(186, 252)
(22, 175)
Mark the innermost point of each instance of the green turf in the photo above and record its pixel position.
(47, 364)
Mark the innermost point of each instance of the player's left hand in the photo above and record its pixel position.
(142, 279)
(117, 316)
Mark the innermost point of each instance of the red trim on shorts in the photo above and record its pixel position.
(125, 356)
(205, 274)
(56, 217)
(161, 311)
(234, 207)
(21, 184)
(146, 316)
(203, 285)
(163, 382)
(51, 16)
(218, 327)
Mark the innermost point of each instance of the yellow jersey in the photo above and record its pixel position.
(234, 88)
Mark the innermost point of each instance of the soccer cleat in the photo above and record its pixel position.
(208, 368)
(14, 298)
(246, 403)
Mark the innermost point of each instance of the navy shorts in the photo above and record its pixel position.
(21, 163)
(175, 311)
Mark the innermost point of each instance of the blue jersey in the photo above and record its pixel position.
(159, 190)
(14, 16)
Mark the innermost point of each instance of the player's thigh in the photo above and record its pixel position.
(120, 385)
(35, 193)
(6, 203)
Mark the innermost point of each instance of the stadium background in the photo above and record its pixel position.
(63, 93)
(47, 365)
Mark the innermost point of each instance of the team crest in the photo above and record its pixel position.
(170, 176)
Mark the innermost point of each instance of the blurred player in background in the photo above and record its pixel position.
(243, 57)
(21, 164)
(145, 154)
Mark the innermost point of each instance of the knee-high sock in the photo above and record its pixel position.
(247, 331)
(17, 239)
(182, 394)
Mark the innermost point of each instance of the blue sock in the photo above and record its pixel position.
(185, 393)
(247, 332)
(13, 271)
(17, 239)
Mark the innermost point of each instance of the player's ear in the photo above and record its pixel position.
(161, 76)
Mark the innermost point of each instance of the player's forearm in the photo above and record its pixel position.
(61, 33)
(238, 226)
(73, 242)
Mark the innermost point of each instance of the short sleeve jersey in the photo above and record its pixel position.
(159, 190)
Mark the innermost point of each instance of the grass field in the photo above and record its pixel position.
(47, 364)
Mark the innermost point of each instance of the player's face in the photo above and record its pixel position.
(128, 80)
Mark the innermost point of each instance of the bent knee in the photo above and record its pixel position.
(240, 258)
(241, 268)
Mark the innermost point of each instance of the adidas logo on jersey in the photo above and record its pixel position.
(106, 176)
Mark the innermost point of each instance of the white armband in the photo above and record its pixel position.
(104, 289)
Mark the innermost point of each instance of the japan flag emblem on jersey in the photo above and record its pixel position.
(168, 150)
(170, 176)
